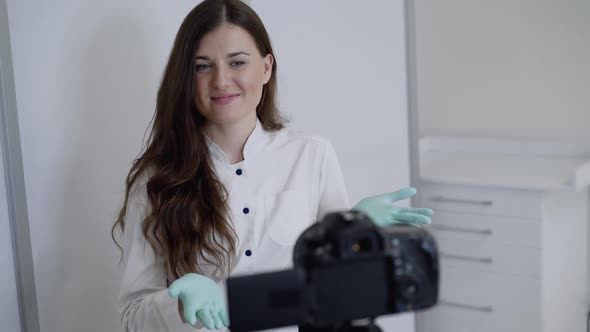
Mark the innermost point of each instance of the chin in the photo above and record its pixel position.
(226, 115)
(227, 119)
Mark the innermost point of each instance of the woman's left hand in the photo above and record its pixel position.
(382, 212)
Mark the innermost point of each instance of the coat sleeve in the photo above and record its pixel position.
(144, 304)
(333, 195)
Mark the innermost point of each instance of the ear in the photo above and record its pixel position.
(268, 62)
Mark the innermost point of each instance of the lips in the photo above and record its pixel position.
(225, 96)
(224, 99)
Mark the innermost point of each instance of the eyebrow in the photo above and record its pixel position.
(229, 55)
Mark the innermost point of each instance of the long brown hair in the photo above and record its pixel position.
(189, 223)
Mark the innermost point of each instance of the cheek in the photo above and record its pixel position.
(199, 90)
(251, 84)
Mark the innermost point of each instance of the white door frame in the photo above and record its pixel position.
(12, 169)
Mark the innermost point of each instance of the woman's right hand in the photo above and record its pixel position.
(201, 299)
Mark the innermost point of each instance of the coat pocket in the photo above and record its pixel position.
(287, 215)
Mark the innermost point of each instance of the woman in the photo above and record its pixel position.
(222, 187)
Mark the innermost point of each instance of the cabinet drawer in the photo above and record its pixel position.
(479, 255)
(483, 302)
(488, 229)
(481, 200)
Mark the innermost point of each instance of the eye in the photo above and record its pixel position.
(237, 63)
(202, 67)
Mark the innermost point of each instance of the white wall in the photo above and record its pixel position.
(515, 69)
(86, 75)
(347, 82)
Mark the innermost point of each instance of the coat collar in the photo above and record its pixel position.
(257, 140)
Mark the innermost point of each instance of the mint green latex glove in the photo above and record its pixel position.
(201, 298)
(382, 212)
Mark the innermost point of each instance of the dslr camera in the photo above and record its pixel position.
(347, 272)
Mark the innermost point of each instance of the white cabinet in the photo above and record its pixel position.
(512, 231)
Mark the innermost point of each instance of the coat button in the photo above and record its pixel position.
(248, 252)
(239, 171)
(246, 210)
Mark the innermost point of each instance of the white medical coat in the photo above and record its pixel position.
(287, 181)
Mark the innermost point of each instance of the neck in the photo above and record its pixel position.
(231, 137)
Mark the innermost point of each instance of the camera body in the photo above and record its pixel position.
(345, 268)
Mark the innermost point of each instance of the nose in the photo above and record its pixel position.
(221, 78)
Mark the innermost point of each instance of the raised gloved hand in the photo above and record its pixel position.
(381, 210)
(201, 298)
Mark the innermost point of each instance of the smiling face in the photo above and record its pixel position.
(229, 75)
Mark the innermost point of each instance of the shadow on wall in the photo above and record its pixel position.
(114, 101)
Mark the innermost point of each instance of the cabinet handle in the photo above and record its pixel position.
(447, 228)
(486, 260)
(441, 199)
(488, 308)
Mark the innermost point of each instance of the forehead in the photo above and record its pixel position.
(224, 39)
